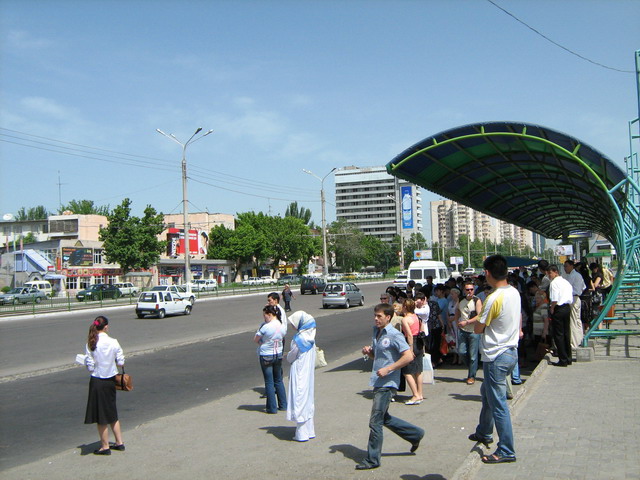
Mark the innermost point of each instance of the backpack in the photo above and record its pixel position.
(607, 277)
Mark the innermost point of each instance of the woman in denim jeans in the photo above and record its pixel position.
(269, 338)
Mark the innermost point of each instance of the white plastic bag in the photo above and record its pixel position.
(427, 370)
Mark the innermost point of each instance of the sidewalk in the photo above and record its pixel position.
(570, 423)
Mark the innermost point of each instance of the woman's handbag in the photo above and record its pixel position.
(320, 360)
(427, 370)
(444, 345)
(124, 382)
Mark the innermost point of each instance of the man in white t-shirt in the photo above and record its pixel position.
(577, 284)
(499, 324)
(560, 298)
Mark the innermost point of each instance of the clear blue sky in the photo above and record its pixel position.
(286, 85)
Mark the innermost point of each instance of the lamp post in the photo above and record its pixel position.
(325, 268)
(399, 220)
(185, 205)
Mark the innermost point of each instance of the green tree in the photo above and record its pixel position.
(34, 213)
(85, 207)
(130, 241)
(29, 238)
(302, 213)
(346, 243)
(236, 245)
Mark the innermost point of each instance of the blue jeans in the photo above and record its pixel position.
(494, 402)
(469, 349)
(515, 375)
(273, 384)
(379, 417)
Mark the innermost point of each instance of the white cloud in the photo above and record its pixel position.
(48, 107)
(22, 40)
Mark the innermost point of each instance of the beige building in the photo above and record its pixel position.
(450, 219)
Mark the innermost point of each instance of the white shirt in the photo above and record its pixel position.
(102, 361)
(501, 315)
(560, 291)
(423, 314)
(576, 281)
(283, 319)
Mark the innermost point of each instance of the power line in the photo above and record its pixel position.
(556, 43)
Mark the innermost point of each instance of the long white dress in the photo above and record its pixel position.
(301, 406)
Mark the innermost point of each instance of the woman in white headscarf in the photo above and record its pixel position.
(301, 407)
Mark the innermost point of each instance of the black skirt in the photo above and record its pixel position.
(101, 404)
(415, 367)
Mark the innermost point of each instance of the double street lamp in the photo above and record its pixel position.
(325, 268)
(185, 205)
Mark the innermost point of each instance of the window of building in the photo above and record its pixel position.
(97, 255)
(84, 282)
(111, 279)
(98, 279)
(64, 226)
(72, 283)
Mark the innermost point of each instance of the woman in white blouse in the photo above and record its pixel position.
(104, 355)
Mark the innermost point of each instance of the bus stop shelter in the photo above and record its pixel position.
(539, 179)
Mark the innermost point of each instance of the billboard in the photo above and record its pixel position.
(422, 254)
(77, 257)
(406, 197)
(198, 242)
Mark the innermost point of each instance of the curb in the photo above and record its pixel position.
(472, 463)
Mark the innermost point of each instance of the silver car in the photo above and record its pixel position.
(343, 294)
(22, 295)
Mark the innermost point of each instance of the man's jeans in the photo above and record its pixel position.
(379, 417)
(469, 349)
(273, 384)
(494, 402)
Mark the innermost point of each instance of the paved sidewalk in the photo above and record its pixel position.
(579, 422)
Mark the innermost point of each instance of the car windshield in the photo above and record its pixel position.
(15, 290)
(159, 287)
(333, 288)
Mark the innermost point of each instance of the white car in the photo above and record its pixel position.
(467, 272)
(205, 285)
(253, 281)
(127, 288)
(267, 280)
(161, 303)
(177, 290)
(401, 281)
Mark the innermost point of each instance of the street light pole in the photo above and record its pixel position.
(399, 220)
(325, 268)
(185, 204)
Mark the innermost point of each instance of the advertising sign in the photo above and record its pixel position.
(77, 257)
(456, 260)
(422, 254)
(406, 196)
(565, 250)
(175, 242)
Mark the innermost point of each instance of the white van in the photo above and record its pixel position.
(41, 285)
(421, 269)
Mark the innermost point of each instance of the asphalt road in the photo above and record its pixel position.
(177, 363)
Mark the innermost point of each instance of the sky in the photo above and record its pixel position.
(286, 86)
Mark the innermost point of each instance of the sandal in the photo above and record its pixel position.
(474, 437)
(495, 458)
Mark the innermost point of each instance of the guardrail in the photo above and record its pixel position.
(69, 303)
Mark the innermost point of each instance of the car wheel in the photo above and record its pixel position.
(314, 291)
(38, 299)
(187, 310)
(192, 300)
(161, 314)
(16, 301)
(362, 300)
(347, 304)
(140, 315)
(325, 306)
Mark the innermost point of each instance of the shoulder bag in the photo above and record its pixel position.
(124, 381)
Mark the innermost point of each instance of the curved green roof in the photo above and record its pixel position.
(525, 174)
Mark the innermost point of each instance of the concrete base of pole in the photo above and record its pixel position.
(585, 354)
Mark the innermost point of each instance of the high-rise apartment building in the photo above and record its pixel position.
(363, 200)
(450, 219)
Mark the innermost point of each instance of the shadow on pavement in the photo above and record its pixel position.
(358, 365)
(349, 451)
(252, 408)
(88, 448)
(281, 433)
(432, 476)
(466, 398)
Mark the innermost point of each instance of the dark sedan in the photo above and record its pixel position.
(99, 291)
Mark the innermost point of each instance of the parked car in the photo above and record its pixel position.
(41, 285)
(205, 285)
(342, 294)
(99, 291)
(467, 272)
(267, 280)
(312, 284)
(127, 288)
(22, 295)
(161, 303)
(290, 279)
(176, 289)
(252, 281)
